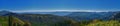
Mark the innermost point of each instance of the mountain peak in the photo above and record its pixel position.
(4, 12)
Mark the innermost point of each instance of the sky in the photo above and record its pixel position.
(20, 5)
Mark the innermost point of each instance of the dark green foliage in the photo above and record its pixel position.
(46, 19)
(3, 21)
(64, 23)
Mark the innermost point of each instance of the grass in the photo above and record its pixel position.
(3, 21)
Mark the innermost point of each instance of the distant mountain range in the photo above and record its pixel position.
(74, 15)
(91, 15)
(37, 18)
(53, 13)
(80, 15)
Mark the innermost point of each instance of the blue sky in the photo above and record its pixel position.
(60, 5)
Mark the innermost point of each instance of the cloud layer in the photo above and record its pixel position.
(60, 11)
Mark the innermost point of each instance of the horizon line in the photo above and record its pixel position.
(20, 11)
(61, 11)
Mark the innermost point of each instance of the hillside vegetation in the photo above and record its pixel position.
(76, 19)
(3, 21)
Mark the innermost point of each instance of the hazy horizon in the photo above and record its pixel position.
(20, 11)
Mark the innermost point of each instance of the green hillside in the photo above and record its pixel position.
(3, 21)
(55, 20)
